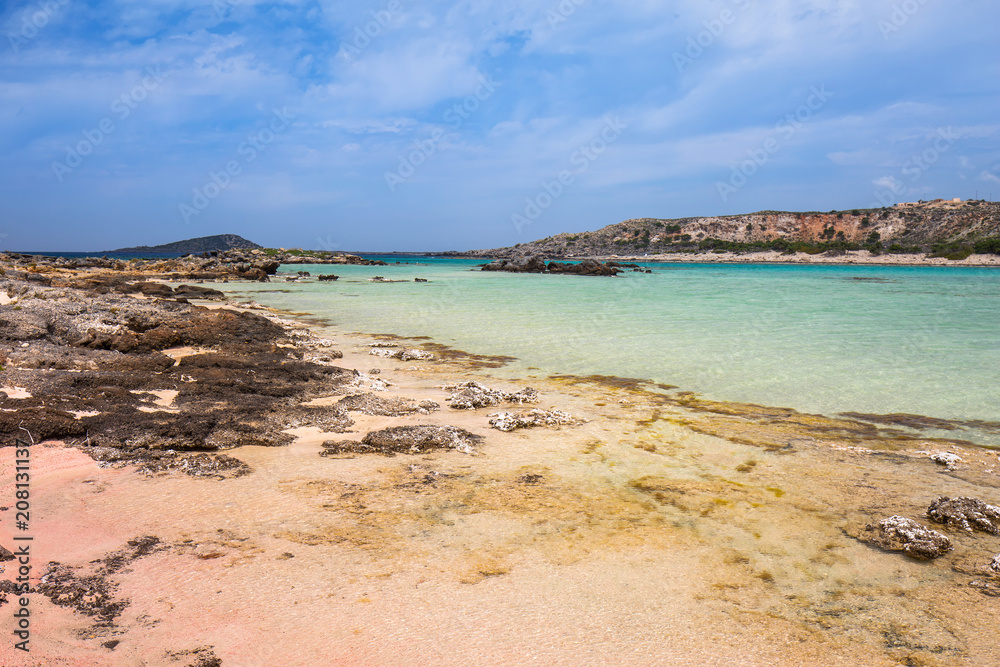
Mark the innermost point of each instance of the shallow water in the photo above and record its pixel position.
(826, 339)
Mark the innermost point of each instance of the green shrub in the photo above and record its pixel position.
(988, 246)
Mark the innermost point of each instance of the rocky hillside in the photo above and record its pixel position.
(923, 227)
(219, 242)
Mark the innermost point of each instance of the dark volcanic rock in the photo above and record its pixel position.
(43, 423)
(533, 264)
(898, 533)
(966, 514)
(327, 277)
(588, 267)
(92, 372)
(197, 292)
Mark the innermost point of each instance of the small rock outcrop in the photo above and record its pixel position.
(966, 514)
(402, 355)
(507, 421)
(536, 264)
(385, 406)
(533, 264)
(472, 395)
(588, 267)
(995, 565)
(406, 440)
(946, 459)
(897, 533)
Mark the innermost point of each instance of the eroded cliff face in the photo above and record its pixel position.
(920, 225)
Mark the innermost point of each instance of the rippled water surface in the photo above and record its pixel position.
(922, 340)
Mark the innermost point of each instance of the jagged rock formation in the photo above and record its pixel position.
(897, 533)
(471, 395)
(507, 421)
(920, 225)
(966, 514)
(536, 264)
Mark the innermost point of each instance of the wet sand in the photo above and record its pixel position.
(663, 529)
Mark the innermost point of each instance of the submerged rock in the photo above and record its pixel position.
(966, 514)
(506, 421)
(217, 466)
(406, 440)
(897, 533)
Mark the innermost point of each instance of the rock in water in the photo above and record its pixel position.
(588, 267)
(966, 514)
(898, 533)
(533, 264)
(995, 565)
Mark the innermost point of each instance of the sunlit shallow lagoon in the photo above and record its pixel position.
(827, 339)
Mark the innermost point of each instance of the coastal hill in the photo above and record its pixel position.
(220, 242)
(945, 227)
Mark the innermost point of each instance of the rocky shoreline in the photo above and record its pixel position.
(309, 450)
(222, 266)
(848, 257)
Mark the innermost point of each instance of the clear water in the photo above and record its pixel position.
(827, 339)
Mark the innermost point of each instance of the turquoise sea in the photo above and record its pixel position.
(826, 339)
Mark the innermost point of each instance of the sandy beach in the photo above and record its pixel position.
(656, 528)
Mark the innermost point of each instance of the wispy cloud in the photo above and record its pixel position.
(357, 110)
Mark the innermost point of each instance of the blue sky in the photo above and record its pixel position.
(403, 125)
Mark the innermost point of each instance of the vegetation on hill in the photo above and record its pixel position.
(943, 229)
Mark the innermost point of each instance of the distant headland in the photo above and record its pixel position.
(219, 242)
